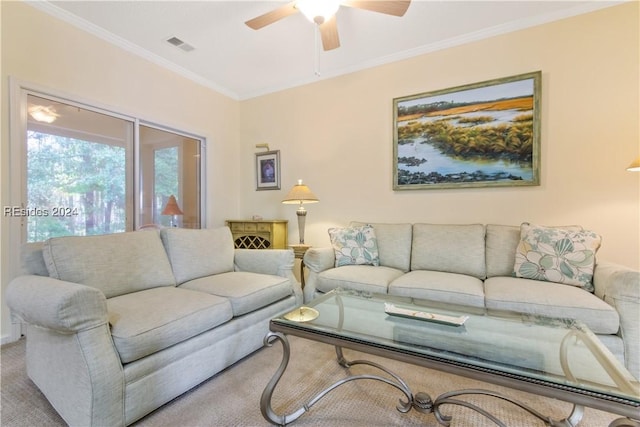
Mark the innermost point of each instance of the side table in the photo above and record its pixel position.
(298, 252)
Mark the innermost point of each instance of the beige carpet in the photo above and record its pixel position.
(232, 397)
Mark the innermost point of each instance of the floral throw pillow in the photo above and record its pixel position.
(355, 245)
(557, 255)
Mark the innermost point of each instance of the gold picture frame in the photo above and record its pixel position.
(484, 134)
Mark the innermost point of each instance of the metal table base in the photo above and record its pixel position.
(420, 401)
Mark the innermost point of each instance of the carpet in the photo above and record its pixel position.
(232, 397)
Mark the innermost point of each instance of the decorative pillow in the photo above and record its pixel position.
(557, 255)
(355, 245)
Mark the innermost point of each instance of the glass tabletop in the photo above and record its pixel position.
(563, 352)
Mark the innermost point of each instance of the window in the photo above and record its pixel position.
(169, 166)
(77, 162)
(82, 176)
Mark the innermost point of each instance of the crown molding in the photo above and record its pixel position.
(57, 12)
(486, 33)
(579, 9)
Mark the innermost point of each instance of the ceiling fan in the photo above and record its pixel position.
(323, 13)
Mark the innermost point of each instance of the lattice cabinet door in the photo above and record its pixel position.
(266, 234)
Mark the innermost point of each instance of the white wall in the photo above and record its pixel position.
(337, 136)
(41, 50)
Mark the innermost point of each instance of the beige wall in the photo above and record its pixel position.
(337, 136)
(41, 50)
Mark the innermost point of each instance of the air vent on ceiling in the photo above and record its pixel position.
(180, 44)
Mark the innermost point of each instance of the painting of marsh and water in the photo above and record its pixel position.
(479, 135)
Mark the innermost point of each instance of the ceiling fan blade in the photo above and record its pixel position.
(329, 34)
(391, 7)
(273, 16)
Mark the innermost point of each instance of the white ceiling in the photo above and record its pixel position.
(243, 63)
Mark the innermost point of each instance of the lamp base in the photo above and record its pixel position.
(302, 216)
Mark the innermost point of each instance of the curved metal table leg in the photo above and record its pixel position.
(403, 406)
(448, 399)
(625, 422)
(265, 401)
(421, 402)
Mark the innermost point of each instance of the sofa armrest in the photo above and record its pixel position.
(619, 287)
(316, 260)
(610, 278)
(266, 261)
(70, 353)
(55, 304)
(278, 262)
(319, 259)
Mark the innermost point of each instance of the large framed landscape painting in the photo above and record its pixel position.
(480, 135)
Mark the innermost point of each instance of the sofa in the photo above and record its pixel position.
(489, 267)
(119, 324)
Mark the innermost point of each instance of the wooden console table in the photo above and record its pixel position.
(266, 234)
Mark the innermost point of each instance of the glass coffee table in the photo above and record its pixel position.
(556, 358)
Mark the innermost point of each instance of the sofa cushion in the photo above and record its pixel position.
(246, 291)
(354, 245)
(557, 255)
(145, 322)
(116, 264)
(439, 286)
(198, 253)
(501, 244)
(365, 278)
(449, 248)
(394, 244)
(551, 299)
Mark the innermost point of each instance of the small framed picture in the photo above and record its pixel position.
(268, 170)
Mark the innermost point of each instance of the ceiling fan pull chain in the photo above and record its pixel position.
(316, 59)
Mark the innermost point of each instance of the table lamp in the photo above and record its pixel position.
(300, 194)
(634, 166)
(172, 209)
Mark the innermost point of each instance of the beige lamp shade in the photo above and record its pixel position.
(300, 194)
(634, 166)
(172, 207)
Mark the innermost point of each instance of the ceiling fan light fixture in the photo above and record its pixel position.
(318, 11)
(43, 114)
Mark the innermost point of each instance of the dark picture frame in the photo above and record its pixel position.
(485, 134)
(268, 170)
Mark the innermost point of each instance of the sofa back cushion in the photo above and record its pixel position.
(198, 253)
(501, 241)
(394, 244)
(450, 248)
(32, 259)
(116, 264)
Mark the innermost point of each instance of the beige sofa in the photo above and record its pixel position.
(473, 265)
(120, 324)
